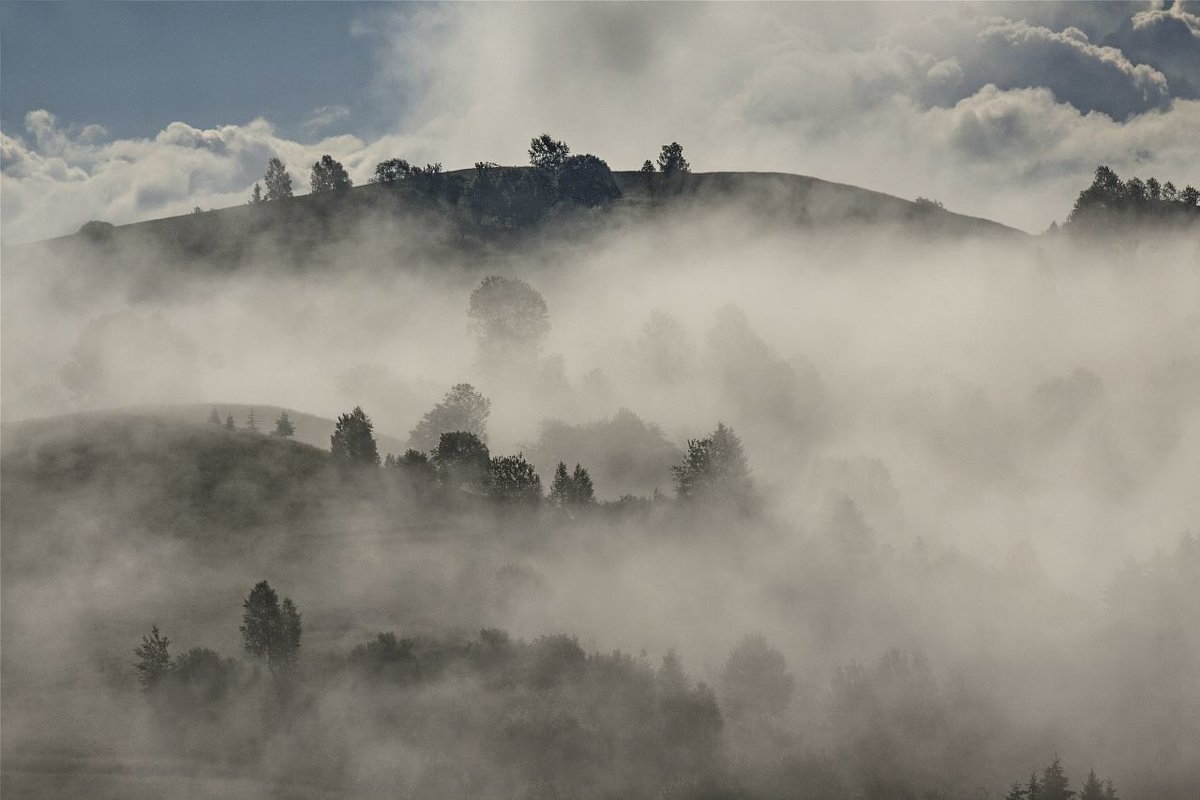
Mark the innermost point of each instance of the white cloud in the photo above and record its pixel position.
(1004, 118)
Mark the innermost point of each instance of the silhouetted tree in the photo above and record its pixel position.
(415, 469)
(671, 161)
(251, 423)
(587, 180)
(463, 461)
(714, 470)
(583, 493)
(509, 320)
(560, 489)
(153, 659)
(1055, 785)
(514, 482)
(391, 172)
(329, 175)
(277, 181)
(506, 197)
(213, 417)
(1092, 788)
(284, 429)
(353, 440)
(229, 424)
(462, 409)
(648, 175)
(270, 631)
(547, 154)
(1015, 792)
(256, 196)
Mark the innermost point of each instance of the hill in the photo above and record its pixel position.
(446, 220)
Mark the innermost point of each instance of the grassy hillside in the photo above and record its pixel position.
(303, 225)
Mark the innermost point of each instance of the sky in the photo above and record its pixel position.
(127, 111)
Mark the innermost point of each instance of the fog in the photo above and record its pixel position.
(958, 441)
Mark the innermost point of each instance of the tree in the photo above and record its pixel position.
(461, 409)
(1033, 790)
(277, 181)
(755, 682)
(715, 471)
(572, 491)
(1092, 788)
(547, 154)
(353, 440)
(213, 417)
(229, 424)
(561, 488)
(270, 631)
(671, 161)
(256, 195)
(251, 424)
(462, 461)
(1015, 792)
(329, 175)
(648, 175)
(1055, 785)
(153, 659)
(509, 320)
(289, 634)
(583, 494)
(415, 468)
(284, 429)
(514, 482)
(587, 180)
(391, 172)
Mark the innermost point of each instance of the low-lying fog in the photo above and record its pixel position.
(1012, 419)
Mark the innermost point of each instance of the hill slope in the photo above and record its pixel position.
(229, 236)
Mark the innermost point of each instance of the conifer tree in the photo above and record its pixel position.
(560, 489)
(251, 424)
(229, 425)
(284, 429)
(583, 493)
(256, 195)
(353, 440)
(213, 417)
(1092, 788)
(1055, 785)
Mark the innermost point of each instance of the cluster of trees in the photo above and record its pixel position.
(713, 474)
(1054, 785)
(284, 428)
(271, 632)
(494, 196)
(1111, 201)
(672, 166)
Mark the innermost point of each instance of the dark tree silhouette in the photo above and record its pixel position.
(251, 423)
(353, 440)
(671, 161)
(463, 461)
(1055, 785)
(587, 180)
(277, 181)
(547, 154)
(648, 175)
(462, 409)
(514, 482)
(213, 417)
(256, 195)
(715, 471)
(270, 631)
(391, 172)
(284, 429)
(329, 175)
(153, 659)
(229, 424)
